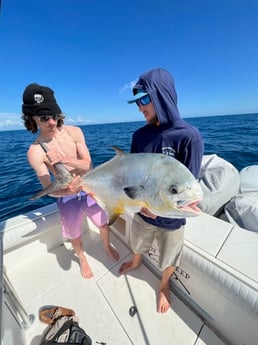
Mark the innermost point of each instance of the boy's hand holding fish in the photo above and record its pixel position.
(145, 212)
(75, 186)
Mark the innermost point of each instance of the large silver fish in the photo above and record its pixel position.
(129, 182)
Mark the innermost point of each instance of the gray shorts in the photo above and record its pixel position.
(170, 242)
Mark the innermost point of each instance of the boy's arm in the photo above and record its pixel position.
(37, 159)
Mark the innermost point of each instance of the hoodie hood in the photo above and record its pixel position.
(160, 86)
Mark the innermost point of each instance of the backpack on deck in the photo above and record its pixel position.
(65, 330)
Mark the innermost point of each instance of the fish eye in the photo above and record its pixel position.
(173, 189)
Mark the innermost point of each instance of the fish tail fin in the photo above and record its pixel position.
(53, 187)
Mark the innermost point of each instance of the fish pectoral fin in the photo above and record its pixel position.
(135, 192)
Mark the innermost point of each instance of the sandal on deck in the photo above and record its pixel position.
(49, 314)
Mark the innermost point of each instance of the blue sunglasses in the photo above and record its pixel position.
(145, 100)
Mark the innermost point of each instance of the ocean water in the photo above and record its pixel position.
(232, 137)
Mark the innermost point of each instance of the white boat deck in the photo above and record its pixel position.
(46, 275)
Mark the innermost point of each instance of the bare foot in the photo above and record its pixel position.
(112, 252)
(128, 266)
(86, 271)
(164, 300)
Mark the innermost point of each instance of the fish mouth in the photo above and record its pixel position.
(190, 207)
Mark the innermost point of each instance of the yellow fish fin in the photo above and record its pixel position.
(113, 213)
(112, 219)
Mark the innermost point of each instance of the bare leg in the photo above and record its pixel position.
(131, 265)
(164, 292)
(86, 271)
(110, 250)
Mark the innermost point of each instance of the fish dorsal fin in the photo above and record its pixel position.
(118, 151)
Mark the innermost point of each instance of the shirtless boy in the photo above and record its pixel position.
(65, 144)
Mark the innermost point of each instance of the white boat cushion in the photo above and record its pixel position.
(220, 182)
(242, 210)
(249, 179)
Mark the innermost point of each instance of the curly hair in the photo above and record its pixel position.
(31, 125)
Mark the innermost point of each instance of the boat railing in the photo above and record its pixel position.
(15, 306)
(9, 301)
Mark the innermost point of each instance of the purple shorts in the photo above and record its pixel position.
(72, 208)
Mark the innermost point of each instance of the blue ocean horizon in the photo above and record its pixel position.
(232, 137)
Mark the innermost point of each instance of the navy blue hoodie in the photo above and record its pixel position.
(174, 136)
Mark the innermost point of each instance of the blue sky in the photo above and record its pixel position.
(92, 52)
